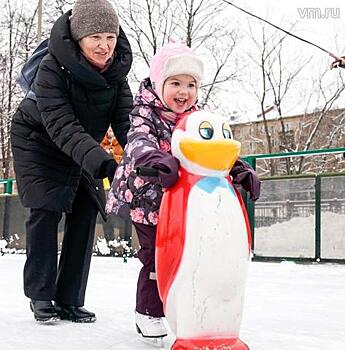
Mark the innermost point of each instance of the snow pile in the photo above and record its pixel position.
(3, 244)
(113, 248)
(4, 249)
(296, 237)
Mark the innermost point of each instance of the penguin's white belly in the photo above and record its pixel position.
(206, 296)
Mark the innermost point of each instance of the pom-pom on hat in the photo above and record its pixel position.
(174, 59)
(93, 16)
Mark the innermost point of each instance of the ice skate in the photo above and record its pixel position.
(151, 329)
(74, 313)
(44, 311)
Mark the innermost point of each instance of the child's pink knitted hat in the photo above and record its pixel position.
(174, 59)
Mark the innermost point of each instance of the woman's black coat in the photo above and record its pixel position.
(56, 138)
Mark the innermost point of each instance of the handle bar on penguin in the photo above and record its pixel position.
(146, 171)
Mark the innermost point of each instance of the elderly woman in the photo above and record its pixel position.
(80, 89)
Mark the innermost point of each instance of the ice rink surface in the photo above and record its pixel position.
(288, 306)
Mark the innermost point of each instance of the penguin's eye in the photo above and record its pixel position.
(227, 131)
(206, 130)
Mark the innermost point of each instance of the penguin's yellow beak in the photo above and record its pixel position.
(211, 154)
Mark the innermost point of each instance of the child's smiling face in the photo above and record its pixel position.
(180, 92)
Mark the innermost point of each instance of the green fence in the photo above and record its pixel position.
(7, 186)
(299, 217)
(296, 218)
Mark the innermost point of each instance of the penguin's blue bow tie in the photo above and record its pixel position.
(209, 184)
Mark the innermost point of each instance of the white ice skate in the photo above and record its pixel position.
(149, 326)
(151, 329)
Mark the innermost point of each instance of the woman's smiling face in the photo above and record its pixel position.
(98, 48)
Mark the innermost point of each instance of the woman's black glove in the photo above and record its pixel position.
(242, 173)
(108, 169)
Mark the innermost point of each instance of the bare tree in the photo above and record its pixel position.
(264, 48)
(152, 23)
(16, 35)
(149, 23)
(318, 132)
(279, 74)
(281, 77)
(338, 130)
(53, 9)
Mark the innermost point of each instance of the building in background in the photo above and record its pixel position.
(298, 130)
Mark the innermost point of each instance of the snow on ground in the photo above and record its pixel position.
(288, 307)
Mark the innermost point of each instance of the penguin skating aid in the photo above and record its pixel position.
(203, 238)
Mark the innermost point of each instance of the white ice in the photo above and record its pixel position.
(288, 307)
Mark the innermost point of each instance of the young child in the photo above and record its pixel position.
(170, 91)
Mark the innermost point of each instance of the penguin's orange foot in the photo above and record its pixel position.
(209, 344)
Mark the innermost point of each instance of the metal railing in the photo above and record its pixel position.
(279, 211)
(273, 210)
(317, 203)
(7, 186)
